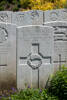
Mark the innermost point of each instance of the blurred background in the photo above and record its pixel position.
(22, 5)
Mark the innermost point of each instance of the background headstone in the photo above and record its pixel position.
(34, 56)
(60, 42)
(7, 55)
(55, 15)
(33, 17)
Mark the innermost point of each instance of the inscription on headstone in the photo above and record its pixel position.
(3, 35)
(33, 17)
(60, 41)
(34, 55)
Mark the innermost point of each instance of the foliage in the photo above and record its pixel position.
(58, 86)
(15, 8)
(32, 4)
(25, 4)
(57, 89)
(31, 94)
(8, 4)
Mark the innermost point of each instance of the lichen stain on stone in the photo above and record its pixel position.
(8, 84)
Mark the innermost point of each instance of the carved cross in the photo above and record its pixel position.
(60, 61)
(35, 58)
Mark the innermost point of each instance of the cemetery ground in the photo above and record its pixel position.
(56, 89)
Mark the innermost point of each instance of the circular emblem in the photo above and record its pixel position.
(34, 61)
(3, 35)
(53, 16)
(3, 17)
(34, 14)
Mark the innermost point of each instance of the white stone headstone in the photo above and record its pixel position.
(7, 55)
(34, 56)
(55, 15)
(60, 41)
(33, 17)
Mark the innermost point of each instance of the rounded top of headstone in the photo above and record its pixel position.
(55, 15)
(56, 23)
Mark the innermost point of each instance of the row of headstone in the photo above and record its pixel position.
(32, 46)
(33, 17)
(22, 18)
(26, 55)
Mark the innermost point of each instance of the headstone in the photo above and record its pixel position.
(34, 56)
(7, 55)
(60, 41)
(5, 16)
(33, 17)
(55, 15)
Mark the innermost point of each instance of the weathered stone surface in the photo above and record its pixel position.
(36, 45)
(7, 55)
(34, 55)
(5, 16)
(60, 41)
(33, 17)
(55, 15)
